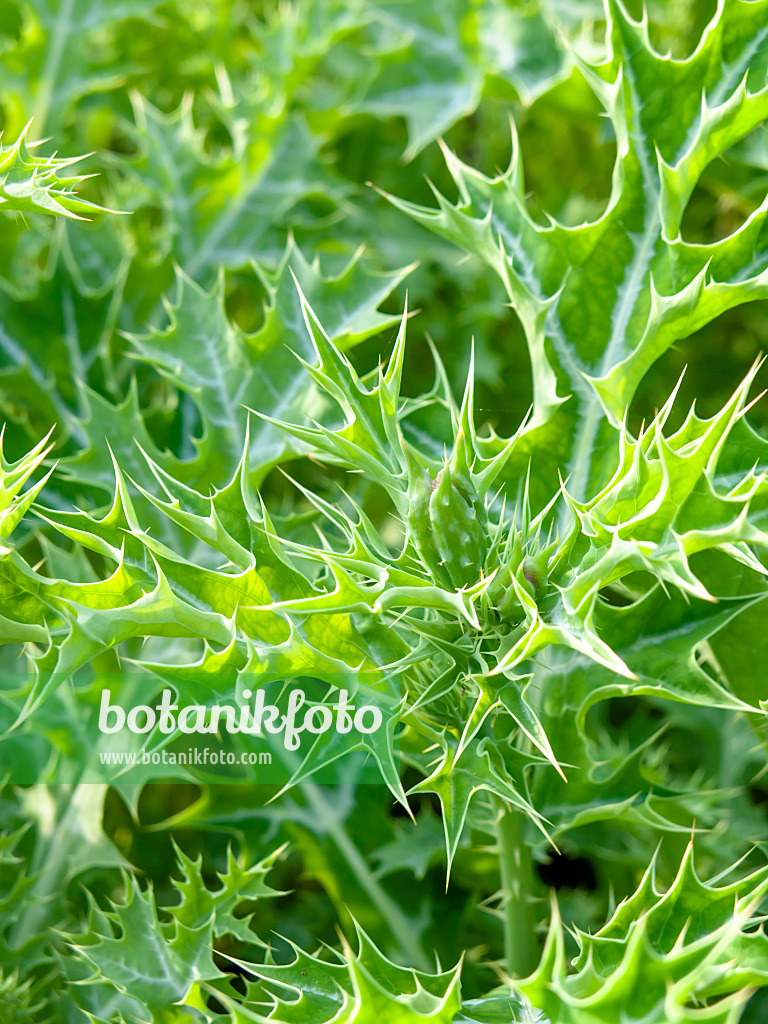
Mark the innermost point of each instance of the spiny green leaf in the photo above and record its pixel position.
(599, 303)
(36, 184)
(363, 986)
(662, 954)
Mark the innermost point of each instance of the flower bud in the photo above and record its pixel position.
(447, 522)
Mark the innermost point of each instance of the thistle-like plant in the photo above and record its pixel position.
(563, 629)
(38, 184)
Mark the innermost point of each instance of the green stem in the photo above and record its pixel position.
(400, 926)
(516, 865)
(59, 35)
(329, 822)
(50, 864)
